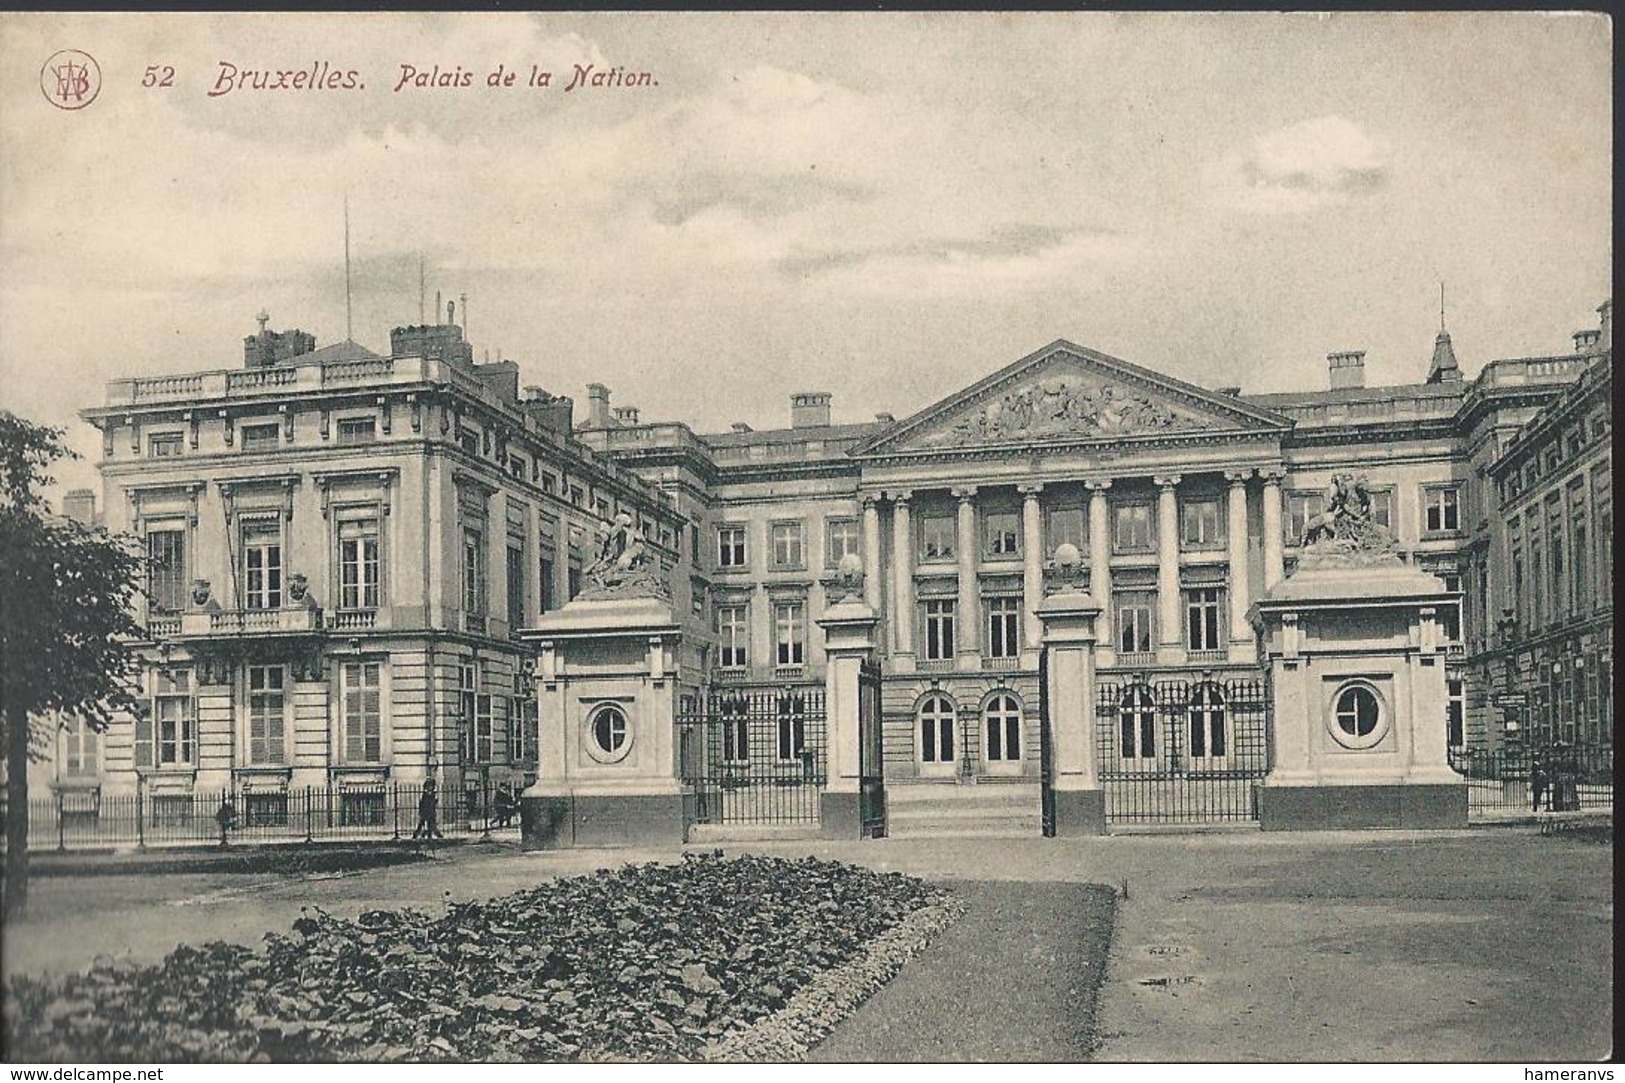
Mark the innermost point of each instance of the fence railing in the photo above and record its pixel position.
(91, 820)
(1554, 778)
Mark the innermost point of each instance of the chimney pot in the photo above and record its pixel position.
(597, 406)
(1232, 392)
(886, 417)
(1347, 369)
(626, 415)
(740, 426)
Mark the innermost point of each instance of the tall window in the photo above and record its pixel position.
(1382, 507)
(731, 547)
(1003, 627)
(788, 634)
(81, 749)
(792, 727)
(1443, 512)
(1455, 712)
(166, 736)
(1300, 508)
(359, 570)
(484, 728)
(1202, 607)
(1065, 526)
(1138, 724)
(267, 710)
(262, 563)
(788, 546)
(166, 570)
(516, 586)
(939, 628)
(1200, 524)
(1131, 528)
(937, 537)
(733, 636)
(843, 540)
(468, 688)
(1002, 531)
(522, 727)
(361, 702)
(1134, 630)
(1207, 723)
(1580, 599)
(1450, 612)
(1001, 721)
(735, 729)
(936, 719)
(473, 571)
(549, 592)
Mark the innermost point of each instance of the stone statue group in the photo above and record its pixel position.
(626, 567)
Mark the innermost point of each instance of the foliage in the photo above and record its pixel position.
(66, 593)
(648, 962)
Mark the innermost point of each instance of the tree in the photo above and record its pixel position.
(66, 616)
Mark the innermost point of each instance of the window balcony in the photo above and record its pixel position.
(251, 622)
(1001, 663)
(164, 627)
(1199, 657)
(352, 620)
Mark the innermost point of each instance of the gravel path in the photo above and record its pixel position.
(1014, 979)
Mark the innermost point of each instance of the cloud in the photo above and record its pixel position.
(1313, 163)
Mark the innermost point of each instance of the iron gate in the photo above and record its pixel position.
(752, 756)
(1176, 751)
(872, 783)
(1046, 752)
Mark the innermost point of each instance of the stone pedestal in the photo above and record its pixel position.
(606, 695)
(1079, 803)
(1356, 665)
(853, 717)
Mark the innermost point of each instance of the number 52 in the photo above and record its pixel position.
(159, 75)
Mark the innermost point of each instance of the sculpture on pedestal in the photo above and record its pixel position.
(625, 568)
(1345, 534)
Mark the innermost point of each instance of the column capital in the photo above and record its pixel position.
(869, 500)
(900, 496)
(1272, 475)
(1030, 490)
(1098, 485)
(964, 493)
(1237, 477)
(1167, 481)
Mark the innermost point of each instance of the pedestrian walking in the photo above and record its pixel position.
(428, 813)
(226, 817)
(504, 807)
(1537, 780)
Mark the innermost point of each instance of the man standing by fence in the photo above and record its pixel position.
(428, 813)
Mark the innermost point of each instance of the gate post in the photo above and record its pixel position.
(849, 643)
(1068, 617)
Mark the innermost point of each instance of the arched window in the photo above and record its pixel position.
(1001, 719)
(1139, 724)
(1208, 737)
(936, 717)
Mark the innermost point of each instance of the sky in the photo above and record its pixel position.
(884, 206)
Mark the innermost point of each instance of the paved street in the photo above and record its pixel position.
(1491, 944)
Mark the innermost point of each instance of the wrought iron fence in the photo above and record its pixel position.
(93, 820)
(1543, 778)
(753, 756)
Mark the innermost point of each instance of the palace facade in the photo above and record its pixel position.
(345, 546)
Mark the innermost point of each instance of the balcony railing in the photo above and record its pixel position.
(163, 627)
(353, 620)
(251, 621)
(1001, 663)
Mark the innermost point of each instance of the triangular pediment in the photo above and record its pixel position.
(1068, 394)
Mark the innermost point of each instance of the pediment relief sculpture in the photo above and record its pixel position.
(1067, 407)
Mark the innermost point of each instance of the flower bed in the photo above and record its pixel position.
(646, 962)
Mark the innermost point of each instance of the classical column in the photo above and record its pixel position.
(871, 551)
(1032, 564)
(1168, 623)
(1236, 535)
(1100, 556)
(967, 626)
(902, 615)
(1274, 559)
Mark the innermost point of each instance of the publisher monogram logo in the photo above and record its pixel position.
(70, 79)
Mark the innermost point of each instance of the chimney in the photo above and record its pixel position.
(1230, 392)
(274, 347)
(80, 506)
(885, 417)
(809, 409)
(1586, 341)
(1347, 369)
(1443, 369)
(626, 415)
(740, 426)
(597, 406)
(1605, 336)
(553, 412)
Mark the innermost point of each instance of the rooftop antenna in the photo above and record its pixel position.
(349, 327)
(421, 318)
(436, 306)
(264, 318)
(463, 297)
(1441, 306)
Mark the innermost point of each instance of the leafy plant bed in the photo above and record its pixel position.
(649, 962)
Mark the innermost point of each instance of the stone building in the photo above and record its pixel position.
(345, 546)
